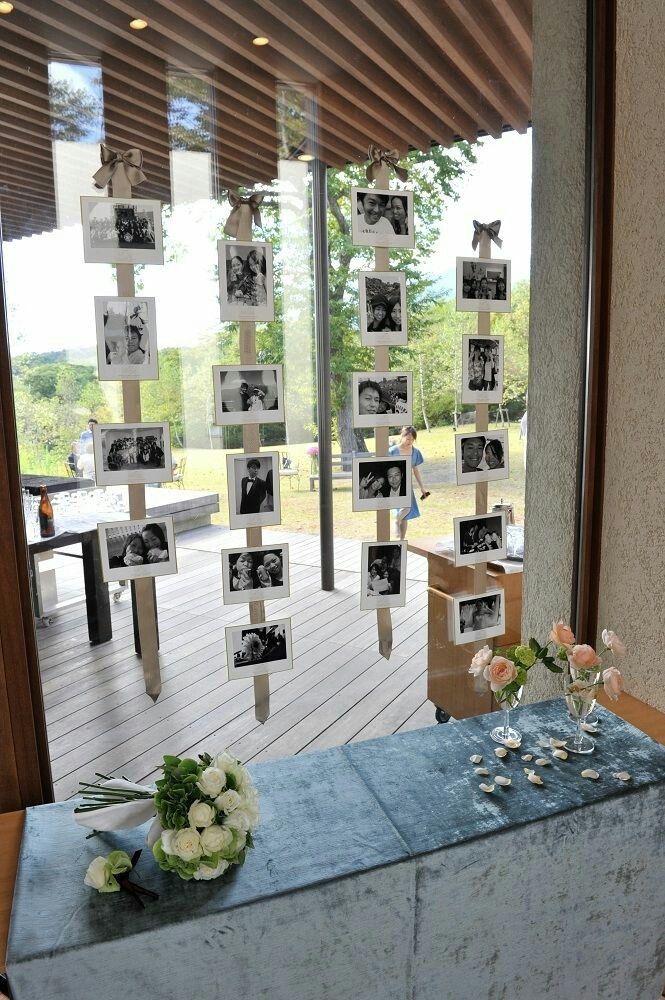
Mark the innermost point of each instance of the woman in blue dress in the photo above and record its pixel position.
(406, 447)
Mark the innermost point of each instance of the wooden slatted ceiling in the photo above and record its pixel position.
(401, 73)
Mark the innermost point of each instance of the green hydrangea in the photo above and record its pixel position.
(525, 656)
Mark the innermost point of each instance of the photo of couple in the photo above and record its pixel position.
(483, 357)
(381, 483)
(382, 300)
(382, 218)
(259, 571)
(247, 395)
(245, 281)
(481, 457)
(384, 572)
(133, 549)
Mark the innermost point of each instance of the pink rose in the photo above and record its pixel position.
(480, 660)
(612, 682)
(584, 657)
(613, 642)
(499, 672)
(562, 635)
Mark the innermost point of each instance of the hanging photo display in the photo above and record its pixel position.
(483, 285)
(130, 550)
(383, 575)
(478, 616)
(481, 457)
(382, 399)
(480, 538)
(382, 218)
(248, 394)
(245, 281)
(253, 489)
(126, 338)
(263, 648)
(132, 453)
(260, 573)
(382, 304)
(381, 483)
(482, 369)
(122, 231)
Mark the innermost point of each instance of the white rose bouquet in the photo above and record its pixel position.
(206, 812)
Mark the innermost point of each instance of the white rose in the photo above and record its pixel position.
(167, 841)
(200, 814)
(212, 781)
(203, 872)
(96, 876)
(238, 820)
(223, 760)
(215, 838)
(187, 845)
(228, 801)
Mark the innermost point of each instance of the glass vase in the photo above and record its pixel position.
(580, 693)
(504, 733)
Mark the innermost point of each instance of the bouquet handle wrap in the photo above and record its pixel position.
(123, 815)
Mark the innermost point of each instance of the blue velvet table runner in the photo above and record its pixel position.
(325, 815)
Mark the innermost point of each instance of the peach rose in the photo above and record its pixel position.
(613, 642)
(612, 682)
(500, 672)
(584, 657)
(480, 661)
(562, 635)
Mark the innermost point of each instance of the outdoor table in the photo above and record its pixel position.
(380, 871)
(54, 484)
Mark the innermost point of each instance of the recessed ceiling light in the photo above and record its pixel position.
(6, 7)
(260, 40)
(306, 157)
(138, 24)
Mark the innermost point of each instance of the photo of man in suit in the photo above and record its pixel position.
(253, 489)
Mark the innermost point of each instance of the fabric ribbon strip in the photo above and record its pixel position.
(131, 161)
(492, 230)
(133, 888)
(236, 202)
(377, 156)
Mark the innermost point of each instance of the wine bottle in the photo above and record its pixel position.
(46, 522)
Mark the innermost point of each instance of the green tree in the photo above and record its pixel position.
(76, 113)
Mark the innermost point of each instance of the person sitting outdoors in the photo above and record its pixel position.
(73, 457)
(86, 462)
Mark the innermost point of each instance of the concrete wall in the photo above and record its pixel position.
(632, 567)
(557, 318)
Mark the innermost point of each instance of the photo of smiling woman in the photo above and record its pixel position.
(481, 458)
(382, 399)
(133, 549)
(382, 308)
(382, 218)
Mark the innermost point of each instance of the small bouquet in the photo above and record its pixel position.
(507, 670)
(205, 813)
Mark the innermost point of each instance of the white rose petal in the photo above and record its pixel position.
(502, 780)
(215, 838)
(187, 845)
(476, 758)
(228, 801)
(486, 788)
(560, 754)
(201, 814)
(238, 820)
(527, 756)
(167, 841)
(212, 781)
(95, 876)
(589, 772)
(481, 771)
(621, 775)
(203, 873)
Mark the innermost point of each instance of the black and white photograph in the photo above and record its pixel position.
(253, 487)
(478, 616)
(481, 457)
(383, 575)
(132, 549)
(480, 538)
(382, 304)
(248, 394)
(122, 231)
(382, 399)
(252, 650)
(381, 483)
(245, 281)
(126, 338)
(255, 574)
(132, 453)
(382, 218)
(482, 369)
(483, 285)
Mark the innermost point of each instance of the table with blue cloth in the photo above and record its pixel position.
(381, 872)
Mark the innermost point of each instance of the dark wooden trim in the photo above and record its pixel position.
(601, 57)
(25, 777)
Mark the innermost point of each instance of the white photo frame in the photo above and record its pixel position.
(390, 392)
(256, 578)
(476, 453)
(377, 329)
(253, 506)
(120, 548)
(482, 369)
(370, 226)
(132, 453)
(253, 650)
(486, 611)
(480, 538)
(122, 230)
(383, 575)
(246, 291)
(487, 273)
(371, 486)
(126, 330)
(248, 394)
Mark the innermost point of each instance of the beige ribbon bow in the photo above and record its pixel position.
(377, 156)
(492, 230)
(131, 161)
(236, 202)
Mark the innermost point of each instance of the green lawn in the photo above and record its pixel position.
(206, 470)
